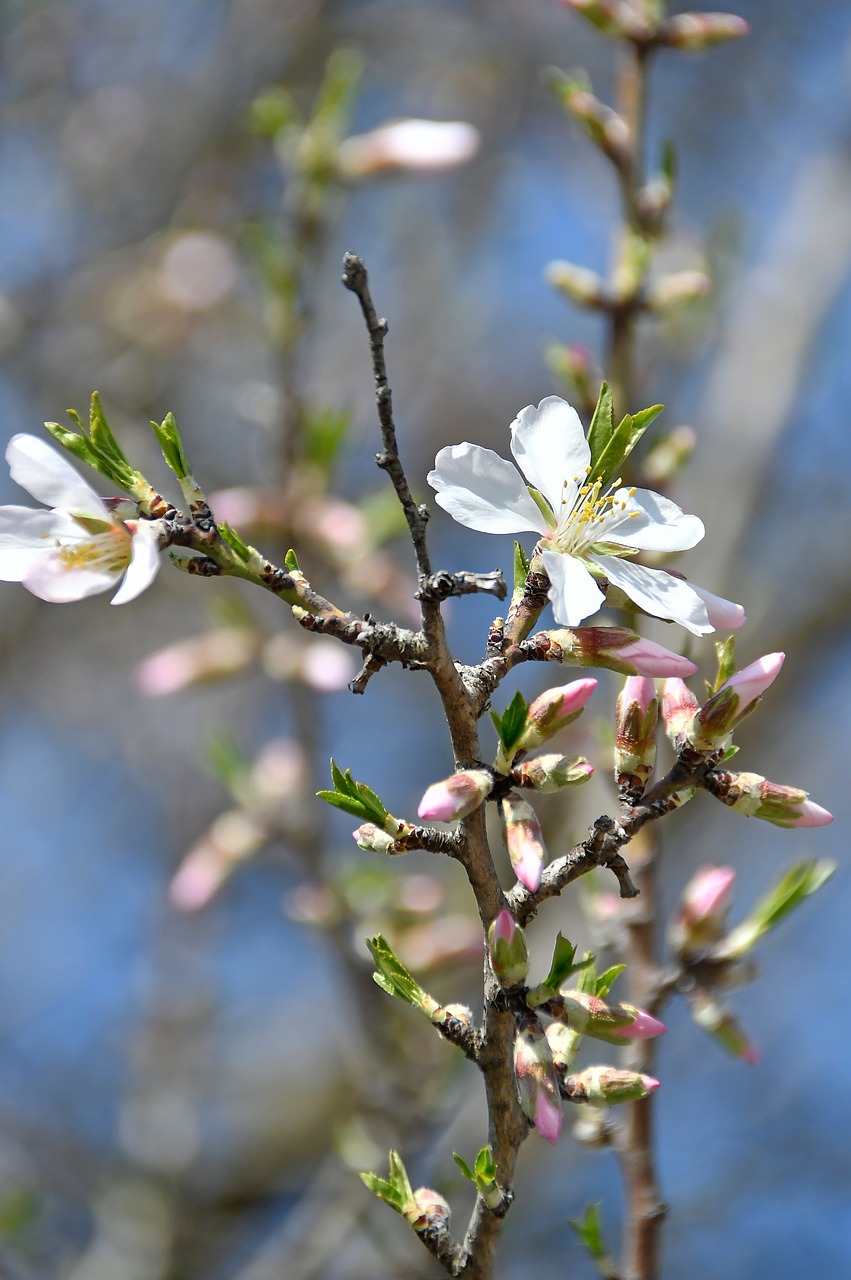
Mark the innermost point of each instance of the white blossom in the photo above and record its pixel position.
(588, 532)
(75, 546)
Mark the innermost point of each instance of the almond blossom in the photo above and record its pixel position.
(75, 547)
(588, 532)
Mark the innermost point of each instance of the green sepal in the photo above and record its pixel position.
(800, 882)
(622, 442)
(229, 535)
(602, 426)
(355, 798)
(521, 568)
(510, 725)
(168, 438)
(395, 1190)
(725, 652)
(291, 562)
(392, 976)
(543, 506)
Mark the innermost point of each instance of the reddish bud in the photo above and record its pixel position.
(457, 796)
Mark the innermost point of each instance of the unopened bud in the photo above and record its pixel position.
(695, 31)
(524, 840)
(373, 839)
(712, 1016)
(676, 290)
(412, 146)
(667, 457)
(679, 708)
(508, 951)
(605, 127)
(736, 698)
(756, 797)
(618, 649)
(537, 1081)
(553, 711)
(702, 916)
(590, 1016)
(428, 1211)
(612, 17)
(457, 796)
(607, 1086)
(636, 713)
(552, 772)
(580, 284)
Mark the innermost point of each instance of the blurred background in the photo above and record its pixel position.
(185, 1085)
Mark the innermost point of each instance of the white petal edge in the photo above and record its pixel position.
(573, 592)
(51, 580)
(483, 491)
(50, 478)
(658, 593)
(659, 525)
(143, 566)
(550, 447)
(723, 614)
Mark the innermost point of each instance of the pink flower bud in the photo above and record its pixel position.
(524, 840)
(428, 1211)
(736, 698)
(756, 797)
(508, 952)
(551, 772)
(636, 714)
(618, 649)
(702, 916)
(679, 707)
(589, 1015)
(537, 1082)
(608, 1086)
(457, 796)
(554, 710)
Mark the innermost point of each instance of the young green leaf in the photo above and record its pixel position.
(291, 561)
(623, 441)
(521, 568)
(512, 722)
(588, 1230)
(234, 541)
(606, 980)
(602, 426)
(168, 438)
(725, 652)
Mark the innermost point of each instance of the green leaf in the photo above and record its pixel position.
(485, 1166)
(521, 568)
(171, 445)
(395, 1189)
(623, 441)
(291, 561)
(606, 980)
(564, 963)
(100, 434)
(229, 535)
(512, 722)
(75, 444)
(799, 883)
(392, 976)
(602, 426)
(464, 1167)
(588, 1231)
(353, 797)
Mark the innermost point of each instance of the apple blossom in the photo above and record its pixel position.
(589, 532)
(77, 547)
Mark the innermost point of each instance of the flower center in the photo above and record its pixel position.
(107, 552)
(586, 510)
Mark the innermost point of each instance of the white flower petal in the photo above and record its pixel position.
(723, 614)
(50, 478)
(651, 523)
(144, 563)
(481, 490)
(25, 536)
(50, 579)
(550, 447)
(658, 593)
(573, 592)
